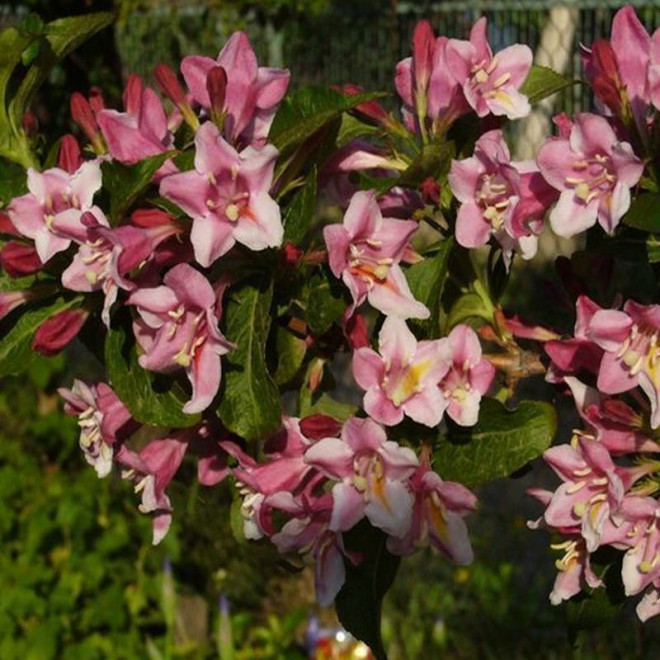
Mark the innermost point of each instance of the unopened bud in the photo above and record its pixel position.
(316, 427)
(30, 124)
(7, 226)
(216, 86)
(169, 83)
(356, 331)
(290, 255)
(69, 158)
(147, 218)
(58, 331)
(19, 259)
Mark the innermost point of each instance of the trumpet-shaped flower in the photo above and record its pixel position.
(227, 197)
(55, 195)
(371, 472)
(178, 328)
(251, 93)
(490, 82)
(403, 379)
(593, 171)
(365, 252)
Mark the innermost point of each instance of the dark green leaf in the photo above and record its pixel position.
(61, 37)
(124, 183)
(644, 213)
(653, 248)
(16, 352)
(325, 303)
(360, 598)
(135, 386)
(300, 211)
(290, 355)
(304, 112)
(434, 161)
(13, 182)
(588, 612)
(250, 405)
(426, 280)
(500, 443)
(542, 82)
(351, 127)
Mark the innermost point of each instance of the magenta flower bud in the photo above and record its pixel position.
(69, 159)
(216, 86)
(320, 426)
(19, 259)
(30, 124)
(167, 80)
(147, 218)
(58, 331)
(84, 116)
(290, 255)
(356, 331)
(7, 227)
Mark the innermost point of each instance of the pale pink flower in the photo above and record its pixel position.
(574, 571)
(499, 198)
(403, 379)
(594, 173)
(178, 329)
(227, 197)
(371, 472)
(55, 195)
(104, 421)
(365, 252)
(251, 95)
(490, 82)
(437, 518)
(629, 339)
(10, 300)
(469, 376)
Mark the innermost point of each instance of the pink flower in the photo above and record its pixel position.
(490, 82)
(178, 328)
(139, 132)
(103, 419)
(251, 95)
(468, 378)
(574, 571)
(227, 197)
(403, 379)
(433, 98)
(10, 300)
(151, 470)
(365, 252)
(55, 195)
(498, 198)
(437, 518)
(371, 472)
(593, 171)
(630, 341)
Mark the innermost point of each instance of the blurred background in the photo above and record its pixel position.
(78, 575)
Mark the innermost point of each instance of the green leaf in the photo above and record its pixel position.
(307, 110)
(360, 599)
(250, 405)
(16, 352)
(500, 443)
(60, 38)
(13, 182)
(351, 127)
(653, 248)
(299, 212)
(125, 182)
(324, 404)
(426, 280)
(326, 302)
(542, 82)
(135, 386)
(290, 355)
(434, 161)
(644, 213)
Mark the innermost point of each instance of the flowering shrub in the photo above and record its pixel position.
(181, 239)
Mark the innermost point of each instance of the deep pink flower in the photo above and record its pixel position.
(252, 93)
(227, 197)
(178, 328)
(365, 252)
(593, 171)
(142, 130)
(403, 379)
